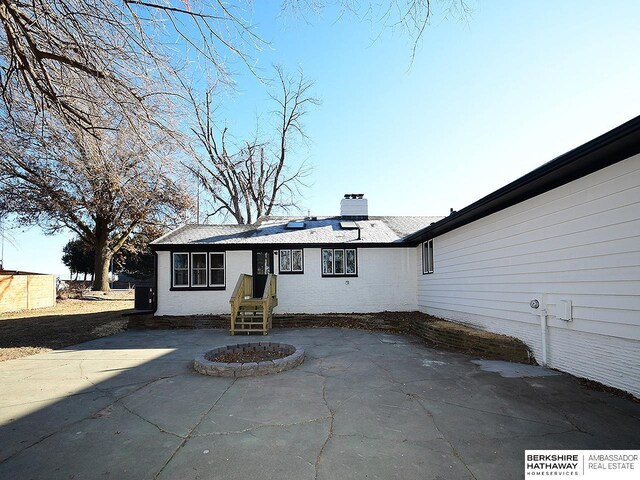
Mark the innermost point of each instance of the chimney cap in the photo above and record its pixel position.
(354, 195)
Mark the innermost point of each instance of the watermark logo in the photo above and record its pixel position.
(582, 464)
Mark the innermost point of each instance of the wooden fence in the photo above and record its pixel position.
(23, 291)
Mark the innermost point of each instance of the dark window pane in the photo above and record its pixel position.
(351, 262)
(199, 260)
(327, 262)
(338, 261)
(262, 263)
(217, 277)
(181, 260)
(217, 260)
(285, 260)
(181, 277)
(430, 255)
(296, 260)
(199, 277)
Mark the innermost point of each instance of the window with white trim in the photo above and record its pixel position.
(180, 269)
(199, 269)
(291, 261)
(427, 256)
(339, 262)
(216, 269)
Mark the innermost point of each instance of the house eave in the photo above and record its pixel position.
(192, 247)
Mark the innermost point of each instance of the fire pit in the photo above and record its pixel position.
(249, 359)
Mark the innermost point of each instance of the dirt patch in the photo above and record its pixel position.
(248, 357)
(69, 322)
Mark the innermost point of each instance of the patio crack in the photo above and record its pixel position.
(357, 435)
(454, 451)
(193, 429)
(160, 429)
(105, 393)
(265, 425)
(330, 434)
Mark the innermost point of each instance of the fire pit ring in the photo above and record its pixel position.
(206, 363)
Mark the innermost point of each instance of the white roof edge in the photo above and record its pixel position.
(159, 239)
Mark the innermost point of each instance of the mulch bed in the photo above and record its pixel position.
(248, 357)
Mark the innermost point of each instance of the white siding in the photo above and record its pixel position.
(385, 281)
(579, 242)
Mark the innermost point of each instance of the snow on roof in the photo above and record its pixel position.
(319, 230)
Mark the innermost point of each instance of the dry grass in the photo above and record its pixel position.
(69, 322)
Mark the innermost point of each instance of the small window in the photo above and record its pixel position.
(198, 269)
(291, 261)
(285, 260)
(216, 269)
(427, 256)
(350, 261)
(297, 261)
(327, 262)
(180, 269)
(339, 262)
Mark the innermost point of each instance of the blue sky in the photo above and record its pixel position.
(484, 102)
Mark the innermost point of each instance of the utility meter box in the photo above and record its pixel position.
(564, 310)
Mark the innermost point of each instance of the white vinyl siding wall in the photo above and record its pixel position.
(578, 242)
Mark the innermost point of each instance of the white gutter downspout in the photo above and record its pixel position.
(535, 304)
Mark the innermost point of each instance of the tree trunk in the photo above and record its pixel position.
(103, 259)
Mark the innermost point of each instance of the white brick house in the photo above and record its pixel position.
(324, 264)
(566, 235)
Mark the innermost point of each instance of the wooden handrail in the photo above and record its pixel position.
(267, 287)
(268, 301)
(243, 288)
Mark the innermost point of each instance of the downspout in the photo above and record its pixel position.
(543, 335)
(155, 282)
(542, 312)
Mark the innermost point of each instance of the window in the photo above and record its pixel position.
(291, 261)
(198, 269)
(339, 262)
(297, 261)
(180, 269)
(216, 269)
(427, 256)
(327, 262)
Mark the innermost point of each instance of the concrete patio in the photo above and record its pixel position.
(362, 405)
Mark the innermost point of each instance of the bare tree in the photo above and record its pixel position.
(102, 188)
(58, 53)
(252, 178)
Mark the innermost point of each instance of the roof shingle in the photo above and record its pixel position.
(320, 230)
